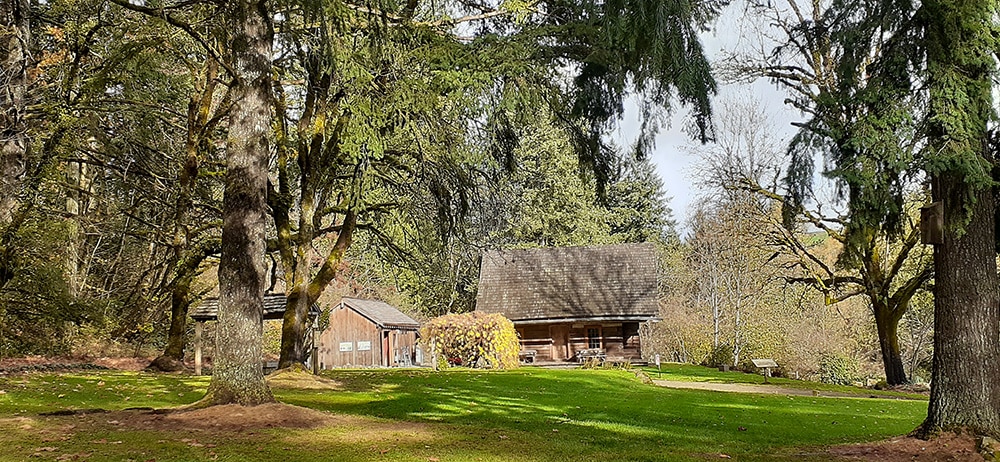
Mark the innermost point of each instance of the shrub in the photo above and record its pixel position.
(472, 339)
(720, 356)
(838, 369)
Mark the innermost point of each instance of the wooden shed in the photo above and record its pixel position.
(568, 303)
(368, 333)
(208, 310)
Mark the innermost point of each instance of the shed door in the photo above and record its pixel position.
(386, 350)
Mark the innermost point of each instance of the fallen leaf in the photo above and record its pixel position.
(725, 456)
(433, 459)
(45, 449)
(78, 456)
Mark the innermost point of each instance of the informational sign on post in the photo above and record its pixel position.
(658, 371)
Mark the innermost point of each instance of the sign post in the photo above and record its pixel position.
(659, 373)
(766, 365)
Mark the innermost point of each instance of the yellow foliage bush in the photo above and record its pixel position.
(472, 339)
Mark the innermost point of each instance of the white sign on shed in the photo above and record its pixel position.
(346, 346)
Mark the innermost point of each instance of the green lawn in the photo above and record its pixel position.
(417, 415)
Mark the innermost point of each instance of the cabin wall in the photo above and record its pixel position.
(555, 342)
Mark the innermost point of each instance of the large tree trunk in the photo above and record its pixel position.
(965, 390)
(238, 376)
(15, 35)
(964, 386)
(887, 325)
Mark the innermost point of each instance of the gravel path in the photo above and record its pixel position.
(752, 388)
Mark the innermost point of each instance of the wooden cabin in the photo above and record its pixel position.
(571, 303)
(368, 333)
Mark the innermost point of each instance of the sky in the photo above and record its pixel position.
(672, 153)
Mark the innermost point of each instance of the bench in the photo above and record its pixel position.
(765, 365)
(596, 354)
(269, 366)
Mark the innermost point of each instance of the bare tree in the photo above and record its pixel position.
(886, 269)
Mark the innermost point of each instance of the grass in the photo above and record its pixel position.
(527, 415)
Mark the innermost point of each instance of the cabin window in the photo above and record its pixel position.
(593, 337)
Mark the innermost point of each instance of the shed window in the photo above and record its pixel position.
(593, 337)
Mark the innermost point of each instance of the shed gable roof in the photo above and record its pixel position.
(381, 313)
(613, 282)
(274, 308)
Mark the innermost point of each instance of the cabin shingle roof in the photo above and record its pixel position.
(383, 314)
(613, 282)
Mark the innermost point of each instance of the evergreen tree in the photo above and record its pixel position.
(895, 76)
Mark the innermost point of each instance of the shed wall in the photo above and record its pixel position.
(349, 327)
(385, 347)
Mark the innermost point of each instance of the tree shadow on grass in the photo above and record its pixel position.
(595, 411)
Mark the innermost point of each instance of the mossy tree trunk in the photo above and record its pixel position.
(316, 152)
(887, 326)
(303, 295)
(238, 376)
(187, 255)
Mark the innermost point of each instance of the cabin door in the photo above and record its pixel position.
(560, 342)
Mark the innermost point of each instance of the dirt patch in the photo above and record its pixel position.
(123, 364)
(301, 380)
(68, 363)
(227, 418)
(231, 420)
(945, 447)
